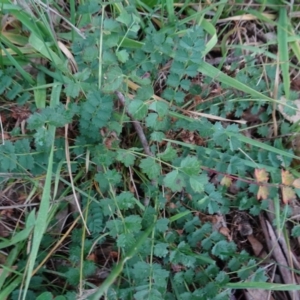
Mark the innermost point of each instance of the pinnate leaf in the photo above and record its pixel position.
(287, 178)
(160, 107)
(138, 109)
(263, 193)
(145, 92)
(175, 181)
(190, 165)
(261, 175)
(126, 200)
(198, 182)
(112, 80)
(161, 249)
(169, 154)
(126, 157)
(288, 194)
(296, 183)
(226, 181)
(162, 224)
(133, 223)
(122, 56)
(150, 167)
(124, 18)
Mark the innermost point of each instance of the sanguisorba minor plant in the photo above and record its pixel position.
(98, 105)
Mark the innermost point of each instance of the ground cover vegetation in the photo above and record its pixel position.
(149, 149)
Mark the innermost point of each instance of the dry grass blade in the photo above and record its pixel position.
(67, 152)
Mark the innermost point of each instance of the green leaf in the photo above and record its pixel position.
(124, 18)
(72, 89)
(296, 231)
(161, 249)
(162, 108)
(122, 56)
(190, 165)
(157, 136)
(112, 80)
(175, 181)
(113, 177)
(150, 167)
(8, 157)
(126, 200)
(198, 182)
(162, 224)
(45, 296)
(173, 80)
(185, 84)
(169, 154)
(133, 223)
(145, 92)
(108, 207)
(179, 97)
(126, 157)
(125, 240)
(234, 143)
(138, 109)
(224, 249)
(103, 182)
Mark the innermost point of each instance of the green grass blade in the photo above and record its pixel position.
(41, 221)
(10, 288)
(260, 145)
(179, 216)
(209, 151)
(170, 10)
(15, 63)
(263, 286)
(283, 49)
(210, 71)
(40, 93)
(22, 235)
(10, 261)
(119, 267)
(40, 46)
(208, 27)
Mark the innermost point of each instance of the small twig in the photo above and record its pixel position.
(67, 153)
(2, 132)
(283, 265)
(133, 183)
(137, 126)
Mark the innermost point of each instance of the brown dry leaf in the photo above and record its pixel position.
(287, 178)
(177, 268)
(226, 181)
(113, 254)
(226, 232)
(263, 193)
(4, 231)
(296, 183)
(256, 246)
(92, 257)
(261, 175)
(20, 113)
(180, 231)
(3, 258)
(288, 194)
